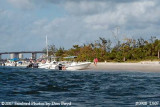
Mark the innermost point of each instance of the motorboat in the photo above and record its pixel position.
(77, 66)
(22, 63)
(10, 64)
(65, 65)
(44, 65)
(48, 65)
(53, 65)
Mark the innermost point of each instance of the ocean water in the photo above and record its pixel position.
(79, 88)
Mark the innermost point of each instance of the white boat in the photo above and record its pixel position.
(65, 65)
(78, 66)
(22, 63)
(45, 65)
(53, 65)
(48, 65)
(9, 64)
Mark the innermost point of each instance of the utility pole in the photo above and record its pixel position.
(158, 53)
(47, 45)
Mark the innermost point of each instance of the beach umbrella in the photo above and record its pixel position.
(14, 59)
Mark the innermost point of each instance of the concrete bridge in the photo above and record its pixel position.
(20, 54)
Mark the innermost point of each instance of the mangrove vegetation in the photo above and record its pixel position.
(129, 50)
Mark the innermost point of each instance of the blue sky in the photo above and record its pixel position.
(25, 23)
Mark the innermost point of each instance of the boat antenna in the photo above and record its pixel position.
(47, 45)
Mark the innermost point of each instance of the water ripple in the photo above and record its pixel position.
(82, 88)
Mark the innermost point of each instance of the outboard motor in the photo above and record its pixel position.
(35, 65)
(30, 65)
(60, 66)
(3, 64)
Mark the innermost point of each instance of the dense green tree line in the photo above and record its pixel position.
(129, 50)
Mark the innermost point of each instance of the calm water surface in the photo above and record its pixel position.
(81, 88)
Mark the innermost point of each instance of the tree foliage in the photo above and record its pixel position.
(103, 49)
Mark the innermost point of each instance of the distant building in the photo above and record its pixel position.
(14, 56)
(20, 56)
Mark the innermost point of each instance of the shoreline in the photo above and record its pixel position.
(146, 67)
(115, 66)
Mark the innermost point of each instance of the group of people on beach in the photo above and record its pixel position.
(95, 61)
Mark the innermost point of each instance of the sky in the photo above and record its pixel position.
(24, 24)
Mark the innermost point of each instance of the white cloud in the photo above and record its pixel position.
(84, 21)
(124, 15)
(86, 7)
(25, 4)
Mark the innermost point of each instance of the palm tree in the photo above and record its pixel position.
(157, 48)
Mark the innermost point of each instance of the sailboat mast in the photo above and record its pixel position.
(47, 46)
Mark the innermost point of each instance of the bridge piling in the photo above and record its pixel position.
(13, 55)
(0, 57)
(34, 56)
(20, 54)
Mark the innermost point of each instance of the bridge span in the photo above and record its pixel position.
(19, 54)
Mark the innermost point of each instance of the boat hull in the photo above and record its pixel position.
(44, 66)
(78, 66)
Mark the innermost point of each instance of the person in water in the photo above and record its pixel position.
(63, 67)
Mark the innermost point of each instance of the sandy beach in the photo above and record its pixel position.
(148, 67)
